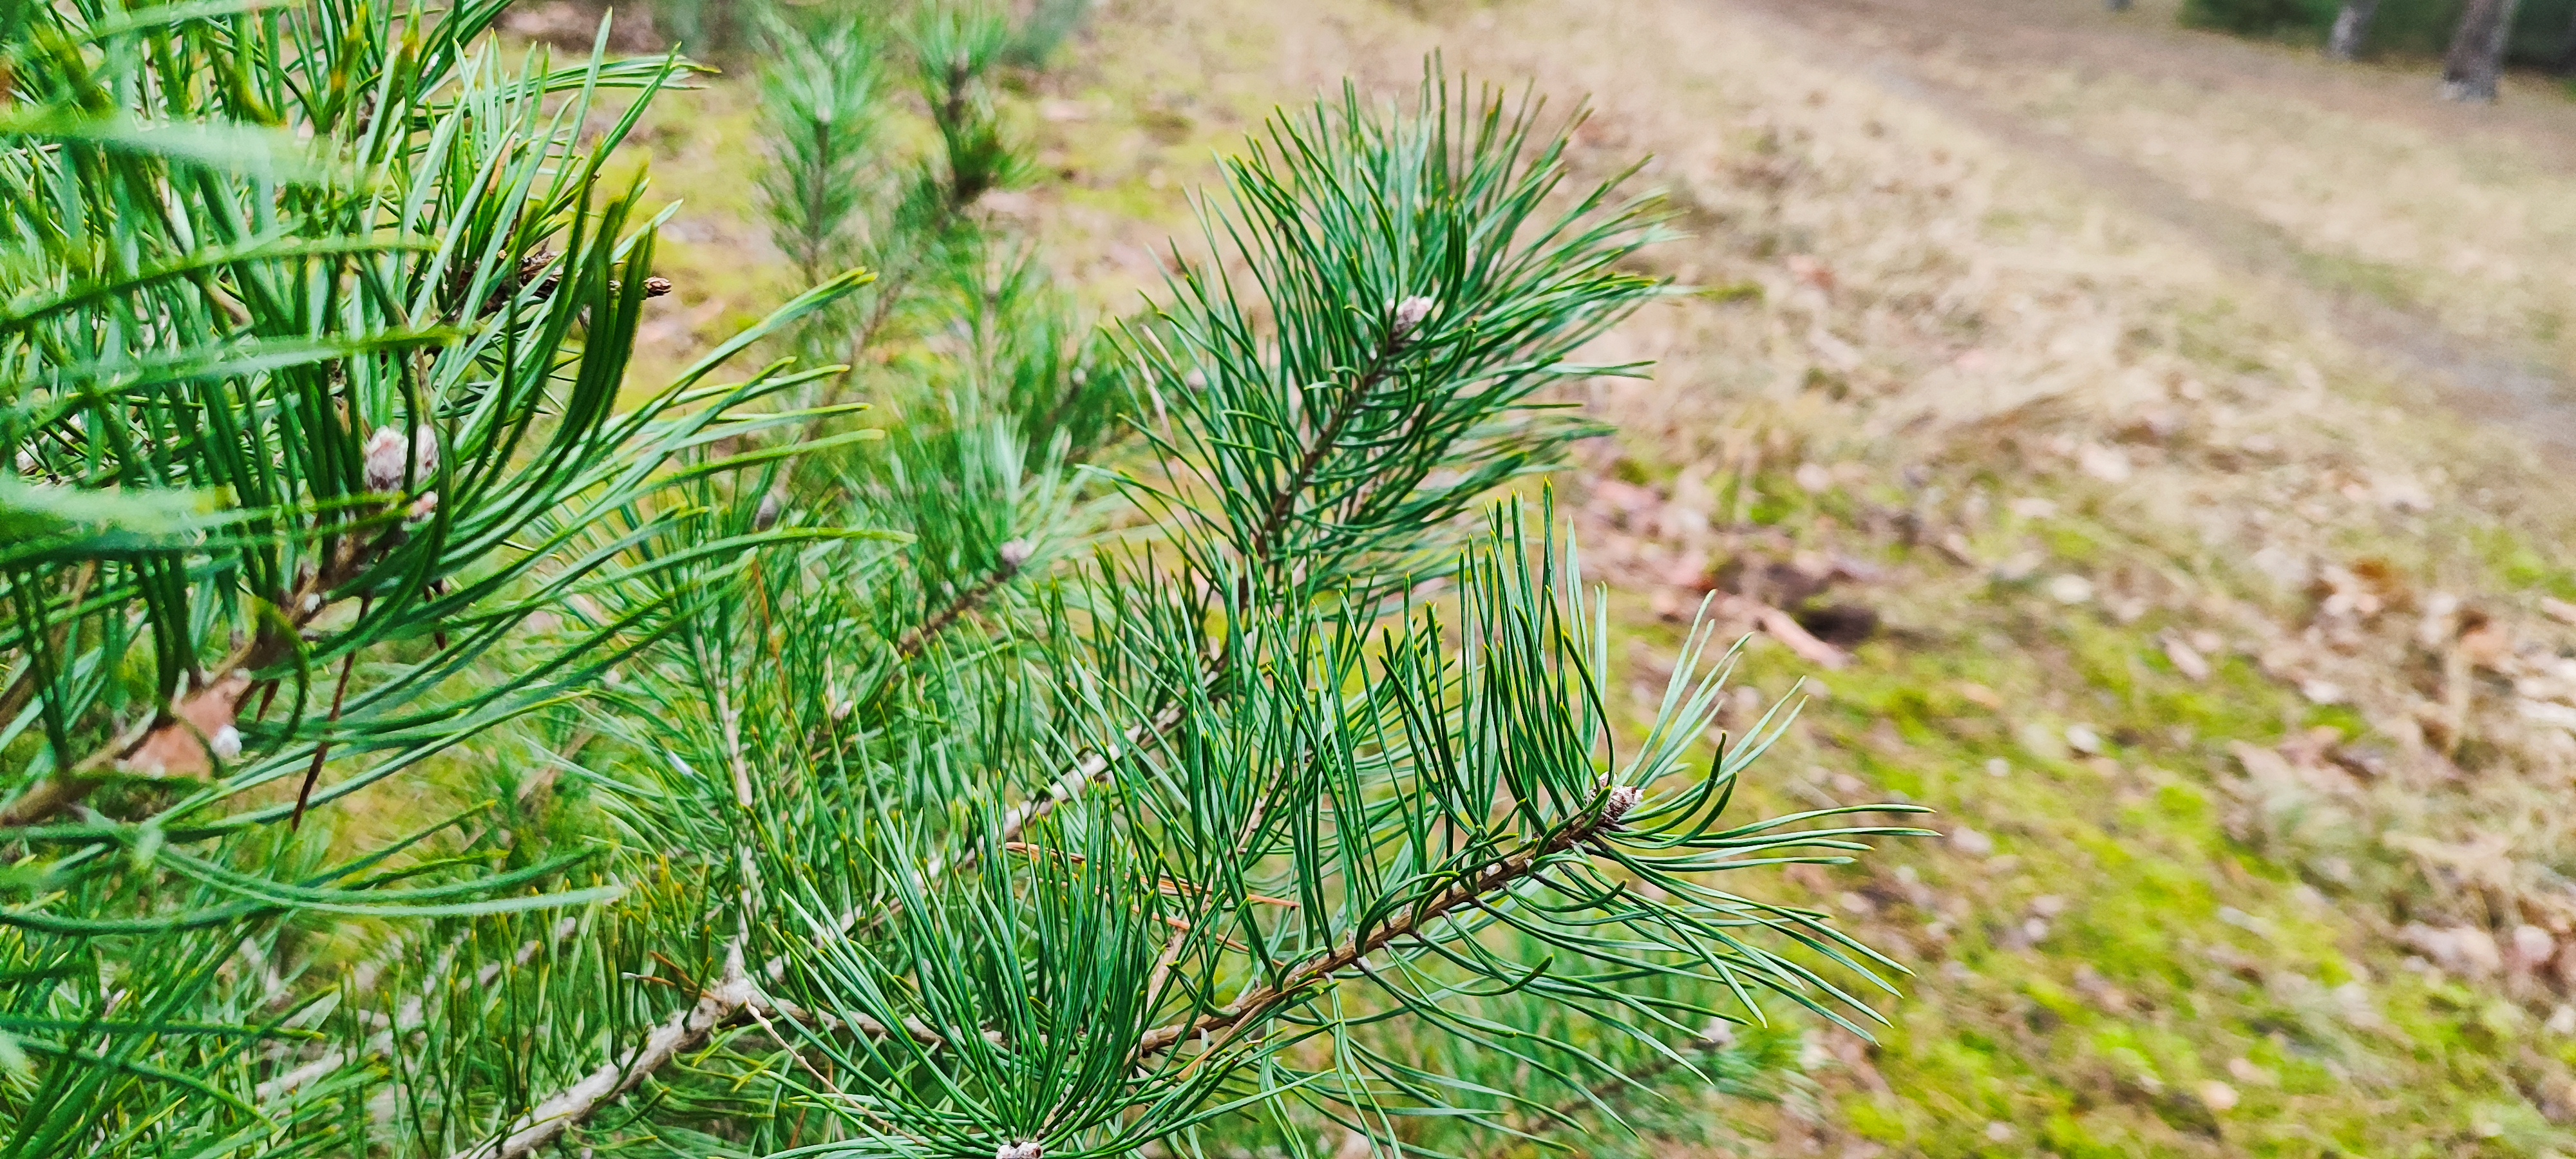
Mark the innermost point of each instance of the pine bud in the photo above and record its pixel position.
(423, 507)
(1622, 799)
(385, 457)
(1018, 1151)
(1016, 554)
(1409, 313)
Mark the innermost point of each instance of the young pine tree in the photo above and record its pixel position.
(1157, 742)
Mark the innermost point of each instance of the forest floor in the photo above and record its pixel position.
(2163, 436)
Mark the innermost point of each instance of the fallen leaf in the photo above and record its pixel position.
(1779, 625)
(2465, 950)
(2186, 659)
(2486, 643)
(179, 746)
(2109, 464)
(2529, 949)
(1811, 271)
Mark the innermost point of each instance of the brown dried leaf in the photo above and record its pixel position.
(2186, 659)
(178, 747)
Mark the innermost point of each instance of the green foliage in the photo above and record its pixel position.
(1015, 788)
(835, 196)
(820, 110)
(2260, 17)
(315, 356)
(1043, 32)
(2541, 28)
(1418, 338)
(356, 365)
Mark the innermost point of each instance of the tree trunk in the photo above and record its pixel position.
(2476, 60)
(2351, 28)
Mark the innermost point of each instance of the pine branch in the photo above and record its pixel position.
(1014, 554)
(988, 988)
(1091, 770)
(736, 1001)
(733, 1002)
(890, 293)
(722, 1006)
(1275, 522)
(718, 1006)
(48, 798)
(1250, 1009)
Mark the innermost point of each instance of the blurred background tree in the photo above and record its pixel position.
(2471, 35)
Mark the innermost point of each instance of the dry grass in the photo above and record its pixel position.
(2464, 228)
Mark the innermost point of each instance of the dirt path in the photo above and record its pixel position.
(1916, 49)
(2148, 41)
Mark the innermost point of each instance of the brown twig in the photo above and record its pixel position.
(733, 1001)
(322, 747)
(67, 787)
(1781, 626)
(915, 638)
(1275, 521)
(1249, 1009)
(720, 1004)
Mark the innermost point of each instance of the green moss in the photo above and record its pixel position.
(2385, 283)
(2518, 562)
(2208, 945)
